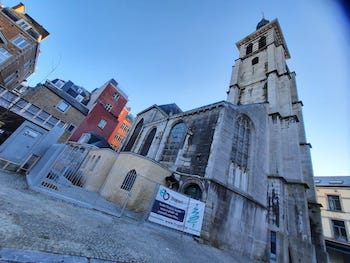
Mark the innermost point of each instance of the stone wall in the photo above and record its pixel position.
(234, 222)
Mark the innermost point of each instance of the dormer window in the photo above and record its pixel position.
(249, 49)
(255, 61)
(262, 42)
(23, 24)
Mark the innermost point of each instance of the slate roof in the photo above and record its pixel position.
(170, 109)
(332, 181)
(68, 98)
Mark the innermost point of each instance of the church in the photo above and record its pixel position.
(246, 158)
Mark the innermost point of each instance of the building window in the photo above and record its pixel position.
(20, 42)
(118, 137)
(174, 143)
(23, 24)
(115, 96)
(193, 191)
(108, 107)
(262, 42)
(334, 203)
(124, 127)
(135, 134)
(255, 61)
(10, 78)
(26, 65)
(62, 106)
(129, 181)
(339, 230)
(241, 142)
(102, 124)
(249, 49)
(4, 54)
(3, 39)
(70, 128)
(147, 143)
(273, 246)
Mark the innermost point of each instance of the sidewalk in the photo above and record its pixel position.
(38, 228)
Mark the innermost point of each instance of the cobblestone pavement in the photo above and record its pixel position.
(33, 226)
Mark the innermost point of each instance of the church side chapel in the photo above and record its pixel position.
(246, 158)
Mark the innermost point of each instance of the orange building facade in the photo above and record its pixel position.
(121, 130)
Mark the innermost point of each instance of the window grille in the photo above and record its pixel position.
(129, 181)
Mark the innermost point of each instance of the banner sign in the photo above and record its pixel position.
(177, 211)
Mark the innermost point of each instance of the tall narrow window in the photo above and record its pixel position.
(241, 142)
(339, 230)
(334, 203)
(129, 181)
(262, 42)
(249, 49)
(174, 143)
(147, 143)
(273, 246)
(133, 137)
(115, 96)
(238, 169)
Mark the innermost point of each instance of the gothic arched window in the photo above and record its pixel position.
(133, 137)
(174, 143)
(262, 42)
(147, 143)
(241, 142)
(249, 49)
(193, 191)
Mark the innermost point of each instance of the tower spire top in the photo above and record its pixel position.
(262, 22)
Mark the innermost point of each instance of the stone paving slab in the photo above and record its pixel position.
(36, 228)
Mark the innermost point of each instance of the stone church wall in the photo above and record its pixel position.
(234, 222)
(219, 161)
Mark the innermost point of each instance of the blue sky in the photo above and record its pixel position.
(182, 51)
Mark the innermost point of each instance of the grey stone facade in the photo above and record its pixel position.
(247, 158)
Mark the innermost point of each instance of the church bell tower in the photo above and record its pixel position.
(261, 75)
(261, 68)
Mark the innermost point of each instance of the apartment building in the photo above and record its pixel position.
(333, 193)
(20, 38)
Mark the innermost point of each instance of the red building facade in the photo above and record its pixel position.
(105, 106)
